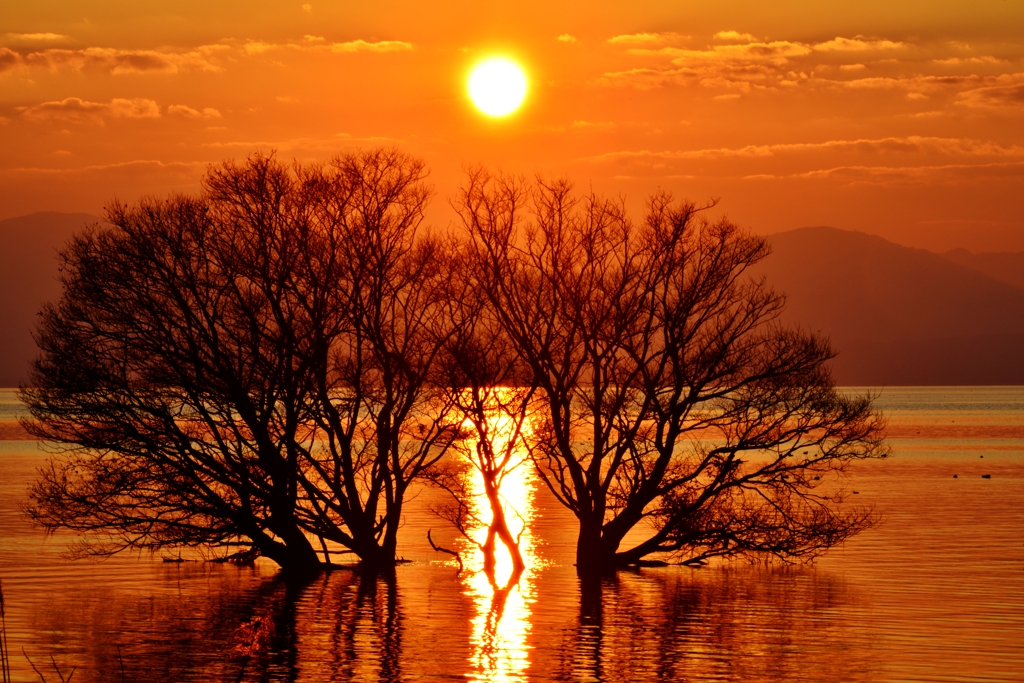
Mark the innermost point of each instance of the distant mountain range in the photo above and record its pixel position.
(28, 278)
(898, 316)
(902, 316)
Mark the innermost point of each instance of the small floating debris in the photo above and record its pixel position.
(955, 477)
(981, 456)
(856, 492)
(986, 476)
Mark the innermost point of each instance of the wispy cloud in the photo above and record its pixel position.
(594, 125)
(734, 35)
(1008, 95)
(319, 44)
(9, 59)
(960, 61)
(645, 38)
(840, 44)
(886, 175)
(744, 64)
(891, 145)
(911, 159)
(76, 110)
(213, 57)
(331, 144)
(113, 60)
(379, 46)
(190, 113)
(566, 38)
(35, 37)
(136, 166)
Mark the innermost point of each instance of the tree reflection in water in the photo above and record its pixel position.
(423, 623)
(492, 487)
(751, 624)
(500, 583)
(664, 624)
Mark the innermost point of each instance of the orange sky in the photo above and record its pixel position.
(904, 119)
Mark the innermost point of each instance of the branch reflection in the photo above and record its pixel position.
(500, 577)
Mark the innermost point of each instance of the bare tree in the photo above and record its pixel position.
(247, 365)
(676, 407)
(384, 416)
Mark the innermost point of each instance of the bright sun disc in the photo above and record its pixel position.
(497, 86)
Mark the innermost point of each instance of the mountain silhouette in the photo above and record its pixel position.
(28, 278)
(1006, 267)
(899, 316)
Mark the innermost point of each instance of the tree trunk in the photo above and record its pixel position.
(377, 559)
(592, 554)
(295, 555)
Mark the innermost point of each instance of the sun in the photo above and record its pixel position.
(497, 86)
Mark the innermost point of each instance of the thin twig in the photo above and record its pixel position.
(5, 656)
(441, 549)
(57, 669)
(33, 665)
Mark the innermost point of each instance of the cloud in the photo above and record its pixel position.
(566, 38)
(911, 159)
(776, 52)
(76, 110)
(958, 61)
(364, 46)
(919, 83)
(255, 47)
(113, 60)
(735, 35)
(190, 113)
(1010, 95)
(742, 65)
(594, 125)
(35, 37)
(9, 59)
(203, 58)
(646, 78)
(839, 44)
(890, 145)
(885, 175)
(145, 167)
(645, 38)
(317, 44)
(307, 8)
(332, 144)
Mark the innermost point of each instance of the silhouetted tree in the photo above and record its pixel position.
(675, 405)
(248, 364)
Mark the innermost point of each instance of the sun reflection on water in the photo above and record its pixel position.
(502, 606)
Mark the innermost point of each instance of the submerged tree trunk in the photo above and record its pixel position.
(593, 556)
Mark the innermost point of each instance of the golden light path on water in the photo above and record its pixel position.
(501, 618)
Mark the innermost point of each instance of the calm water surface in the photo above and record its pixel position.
(934, 593)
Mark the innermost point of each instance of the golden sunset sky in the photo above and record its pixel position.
(899, 118)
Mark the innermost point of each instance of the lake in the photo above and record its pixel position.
(933, 593)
